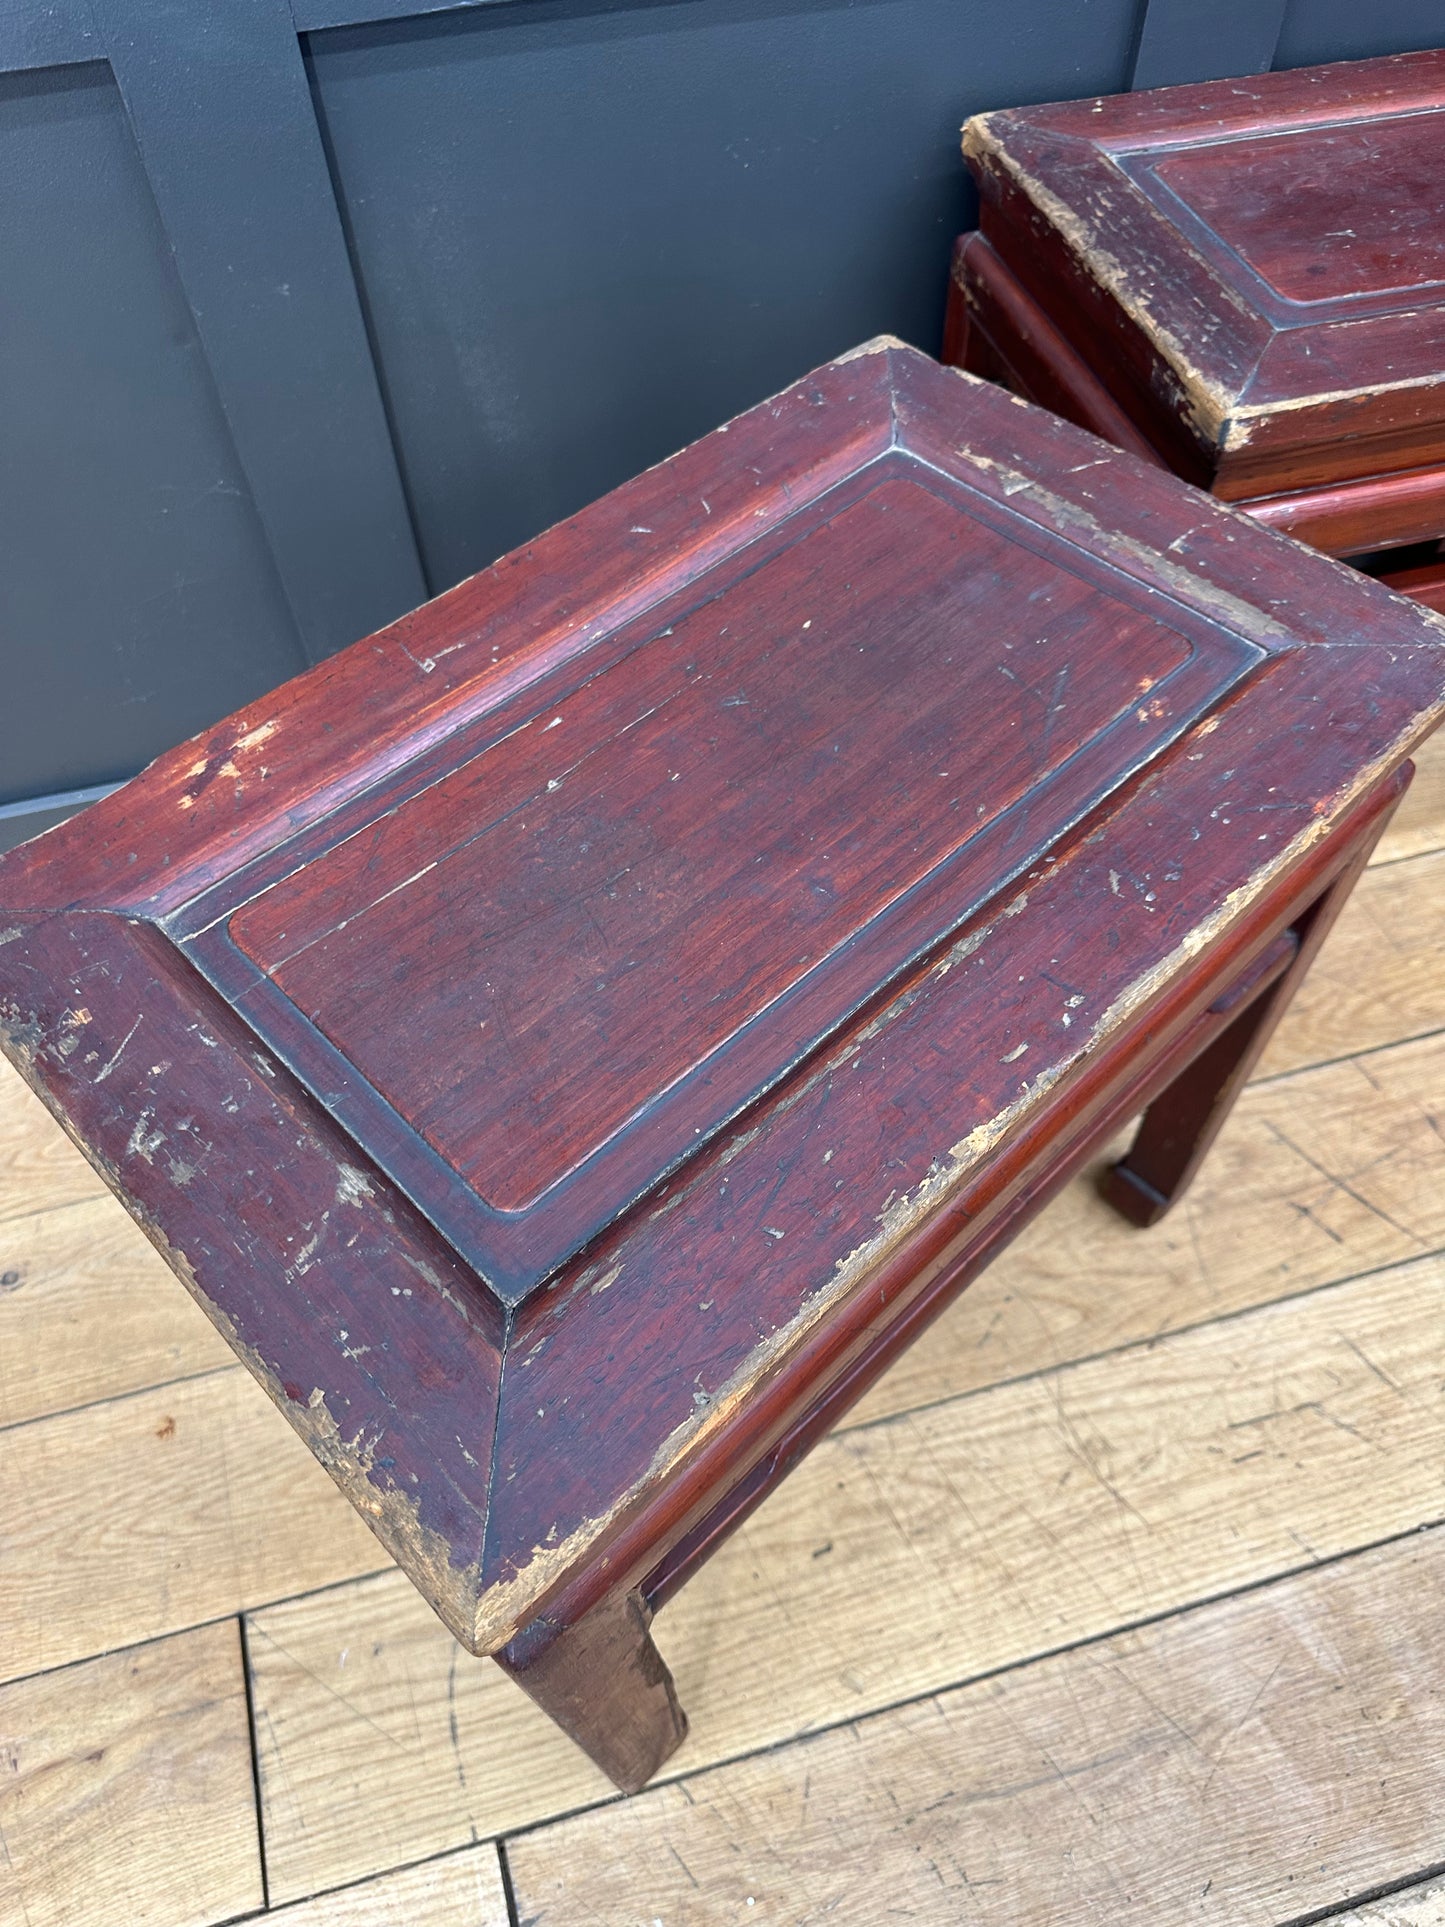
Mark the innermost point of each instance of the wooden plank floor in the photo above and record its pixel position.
(1119, 1599)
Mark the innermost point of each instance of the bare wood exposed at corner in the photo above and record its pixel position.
(1323, 1175)
(1035, 1515)
(1204, 1769)
(464, 1890)
(126, 1792)
(144, 1515)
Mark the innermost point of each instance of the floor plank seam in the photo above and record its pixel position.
(1405, 856)
(319, 1592)
(113, 1652)
(1203, 1604)
(1272, 1078)
(509, 1892)
(243, 1633)
(370, 1879)
(120, 1398)
(233, 1370)
(241, 1920)
(1365, 1899)
(65, 1204)
(195, 1625)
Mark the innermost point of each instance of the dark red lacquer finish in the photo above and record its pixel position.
(1245, 279)
(572, 1040)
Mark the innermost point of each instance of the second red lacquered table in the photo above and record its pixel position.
(571, 1041)
(1244, 280)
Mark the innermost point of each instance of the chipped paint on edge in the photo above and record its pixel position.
(506, 1607)
(424, 1556)
(875, 345)
(1223, 418)
(1209, 404)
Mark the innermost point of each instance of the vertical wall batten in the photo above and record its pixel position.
(578, 246)
(1180, 40)
(220, 106)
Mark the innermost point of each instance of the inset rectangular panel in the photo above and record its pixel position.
(622, 921)
(1362, 222)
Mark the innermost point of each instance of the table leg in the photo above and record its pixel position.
(605, 1684)
(1177, 1130)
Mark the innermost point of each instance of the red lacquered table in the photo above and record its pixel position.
(1244, 280)
(572, 1040)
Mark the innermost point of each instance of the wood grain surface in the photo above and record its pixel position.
(1143, 1779)
(1020, 1520)
(381, 1743)
(125, 1789)
(463, 1890)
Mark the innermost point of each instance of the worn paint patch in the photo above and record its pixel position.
(392, 1512)
(509, 1605)
(1245, 618)
(1208, 403)
(426, 1556)
(875, 345)
(144, 1140)
(222, 762)
(352, 1186)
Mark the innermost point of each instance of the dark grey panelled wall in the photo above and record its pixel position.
(589, 233)
(313, 306)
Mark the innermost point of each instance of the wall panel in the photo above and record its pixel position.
(587, 234)
(312, 305)
(1319, 30)
(137, 597)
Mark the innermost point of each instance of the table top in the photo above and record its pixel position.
(615, 965)
(1260, 263)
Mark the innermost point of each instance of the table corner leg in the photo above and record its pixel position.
(603, 1681)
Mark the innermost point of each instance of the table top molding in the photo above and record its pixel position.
(1237, 698)
(1186, 228)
